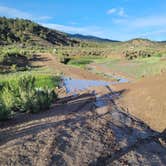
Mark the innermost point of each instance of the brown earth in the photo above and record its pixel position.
(143, 98)
(88, 129)
(146, 99)
(69, 71)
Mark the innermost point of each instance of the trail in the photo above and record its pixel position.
(84, 129)
(51, 61)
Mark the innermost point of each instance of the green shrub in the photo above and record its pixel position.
(21, 95)
(42, 99)
(4, 112)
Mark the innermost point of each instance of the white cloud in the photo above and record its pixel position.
(142, 22)
(15, 13)
(44, 18)
(11, 12)
(122, 13)
(155, 32)
(150, 21)
(111, 11)
(118, 11)
(89, 30)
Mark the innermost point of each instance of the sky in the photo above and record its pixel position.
(112, 19)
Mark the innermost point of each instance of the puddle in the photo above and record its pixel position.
(73, 85)
(119, 79)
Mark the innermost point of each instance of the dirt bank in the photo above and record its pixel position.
(146, 99)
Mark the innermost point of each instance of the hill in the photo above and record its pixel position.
(90, 38)
(141, 42)
(28, 32)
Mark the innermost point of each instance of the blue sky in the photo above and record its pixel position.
(114, 19)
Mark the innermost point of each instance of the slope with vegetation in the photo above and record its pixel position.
(27, 32)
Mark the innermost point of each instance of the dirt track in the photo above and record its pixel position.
(88, 129)
(69, 71)
(81, 131)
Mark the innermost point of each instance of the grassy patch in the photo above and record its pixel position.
(80, 62)
(83, 61)
(42, 80)
(139, 67)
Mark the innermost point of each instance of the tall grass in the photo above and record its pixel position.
(26, 94)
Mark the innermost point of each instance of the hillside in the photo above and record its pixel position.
(141, 42)
(90, 38)
(28, 32)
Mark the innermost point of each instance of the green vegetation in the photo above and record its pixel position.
(138, 67)
(83, 61)
(12, 60)
(26, 94)
(27, 32)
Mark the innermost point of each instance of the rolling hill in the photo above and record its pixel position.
(27, 32)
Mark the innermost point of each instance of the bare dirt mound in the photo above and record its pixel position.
(146, 99)
(88, 129)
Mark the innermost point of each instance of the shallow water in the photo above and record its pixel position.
(120, 80)
(73, 85)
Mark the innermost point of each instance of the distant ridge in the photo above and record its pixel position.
(90, 38)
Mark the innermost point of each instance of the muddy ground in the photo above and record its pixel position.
(146, 99)
(89, 129)
(92, 128)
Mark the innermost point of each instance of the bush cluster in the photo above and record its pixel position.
(13, 60)
(21, 95)
(137, 54)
